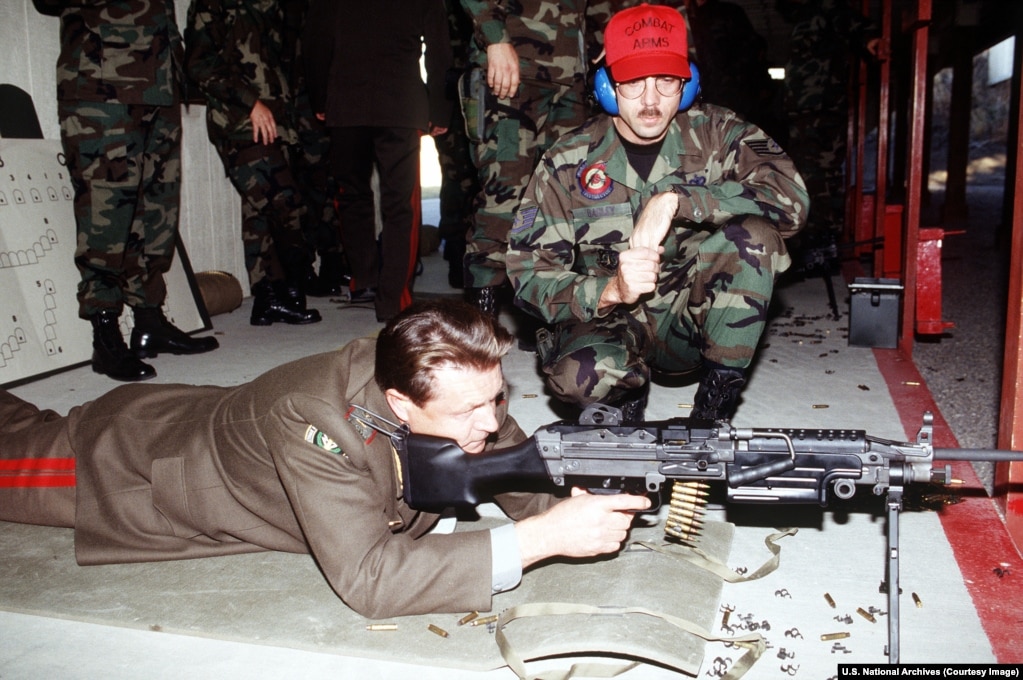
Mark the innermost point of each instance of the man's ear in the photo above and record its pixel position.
(399, 404)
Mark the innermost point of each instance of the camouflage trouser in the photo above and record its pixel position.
(516, 133)
(125, 164)
(459, 183)
(312, 171)
(817, 146)
(272, 209)
(717, 316)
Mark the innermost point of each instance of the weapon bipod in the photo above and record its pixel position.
(893, 502)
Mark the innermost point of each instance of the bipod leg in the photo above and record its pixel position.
(894, 503)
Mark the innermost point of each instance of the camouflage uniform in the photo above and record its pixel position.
(459, 184)
(554, 42)
(118, 94)
(240, 53)
(824, 35)
(740, 195)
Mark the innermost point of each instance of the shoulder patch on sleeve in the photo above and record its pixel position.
(524, 219)
(314, 436)
(765, 147)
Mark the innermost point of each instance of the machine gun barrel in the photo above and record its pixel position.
(978, 455)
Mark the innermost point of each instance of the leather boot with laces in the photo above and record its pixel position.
(110, 355)
(154, 334)
(717, 397)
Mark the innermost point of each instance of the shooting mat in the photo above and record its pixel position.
(282, 600)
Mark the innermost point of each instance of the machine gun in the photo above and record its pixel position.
(757, 465)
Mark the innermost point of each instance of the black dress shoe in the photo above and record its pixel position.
(363, 295)
(154, 334)
(110, 356)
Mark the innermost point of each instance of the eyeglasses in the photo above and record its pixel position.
(666, 86)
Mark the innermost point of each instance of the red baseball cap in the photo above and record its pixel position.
(646, 40)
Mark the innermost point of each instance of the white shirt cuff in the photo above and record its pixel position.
(505, 558)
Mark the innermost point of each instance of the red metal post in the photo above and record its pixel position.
(914, 175)
(881, 182)
(928, 283)
(1009, 476)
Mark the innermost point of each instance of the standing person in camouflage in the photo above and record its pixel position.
(826, 34)
(528, 88)
(241, 56)
(651, 237)
(311, 167)
(459, 182)
(118, 99)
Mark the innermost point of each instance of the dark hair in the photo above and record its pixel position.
(434, 334)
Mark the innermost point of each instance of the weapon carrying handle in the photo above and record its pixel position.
(755, 473)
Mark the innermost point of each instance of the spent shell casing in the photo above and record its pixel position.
(865, 614)
(917, 601)
(829, 600)
(382, 626)
(484, 620)
(437, 629)
(467, 618)
(834, 636)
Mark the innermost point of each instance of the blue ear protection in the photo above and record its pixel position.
(604, 90)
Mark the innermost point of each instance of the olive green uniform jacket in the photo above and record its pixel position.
(179, 471)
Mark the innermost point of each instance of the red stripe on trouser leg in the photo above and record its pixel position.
(417, 225)
(22, 473)
(24, 464)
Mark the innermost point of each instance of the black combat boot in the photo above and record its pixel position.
(110, 356)
(332, 279)
(633, 404)
(718, 394)
(484, 299)
(276, 301)
(294, 299)
(153, 334)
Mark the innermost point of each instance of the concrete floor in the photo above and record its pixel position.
(807, 376)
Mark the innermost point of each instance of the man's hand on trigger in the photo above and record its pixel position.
(655, 220)
(583, 525)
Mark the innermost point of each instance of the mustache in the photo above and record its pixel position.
(649, 111)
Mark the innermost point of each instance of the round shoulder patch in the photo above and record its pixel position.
(593, 181)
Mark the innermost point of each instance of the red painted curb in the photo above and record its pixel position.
(990, 562)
